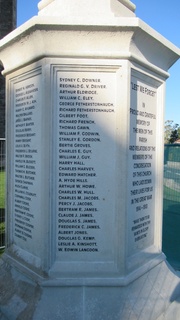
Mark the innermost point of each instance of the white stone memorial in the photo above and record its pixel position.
(85, 86)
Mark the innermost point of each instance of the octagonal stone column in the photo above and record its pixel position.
(85, 108)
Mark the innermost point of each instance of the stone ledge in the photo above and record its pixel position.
(154, 295)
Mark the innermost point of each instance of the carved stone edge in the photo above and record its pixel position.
(128, 4)
(43, 3)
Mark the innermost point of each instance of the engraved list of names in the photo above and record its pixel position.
(27, 162)
(85, 169)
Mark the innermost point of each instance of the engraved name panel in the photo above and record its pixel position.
(27, 161)
(85, 165)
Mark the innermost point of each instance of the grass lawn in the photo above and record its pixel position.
(2, 189)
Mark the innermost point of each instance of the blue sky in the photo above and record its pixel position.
(164, 17)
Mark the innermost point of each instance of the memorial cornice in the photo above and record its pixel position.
(130, 39)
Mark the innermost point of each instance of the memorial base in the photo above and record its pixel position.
(154, 295)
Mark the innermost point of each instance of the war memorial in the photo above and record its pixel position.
(85, 87)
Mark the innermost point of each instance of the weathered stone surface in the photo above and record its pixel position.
(155, 294)
(18, 295)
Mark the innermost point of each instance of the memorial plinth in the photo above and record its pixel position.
(85, 85)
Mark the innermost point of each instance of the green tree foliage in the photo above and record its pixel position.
(167, 130)
(174, 136)
(171, 131)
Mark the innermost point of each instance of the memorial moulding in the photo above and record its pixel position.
(85, 150)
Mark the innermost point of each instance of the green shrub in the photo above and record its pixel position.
(2, 228)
